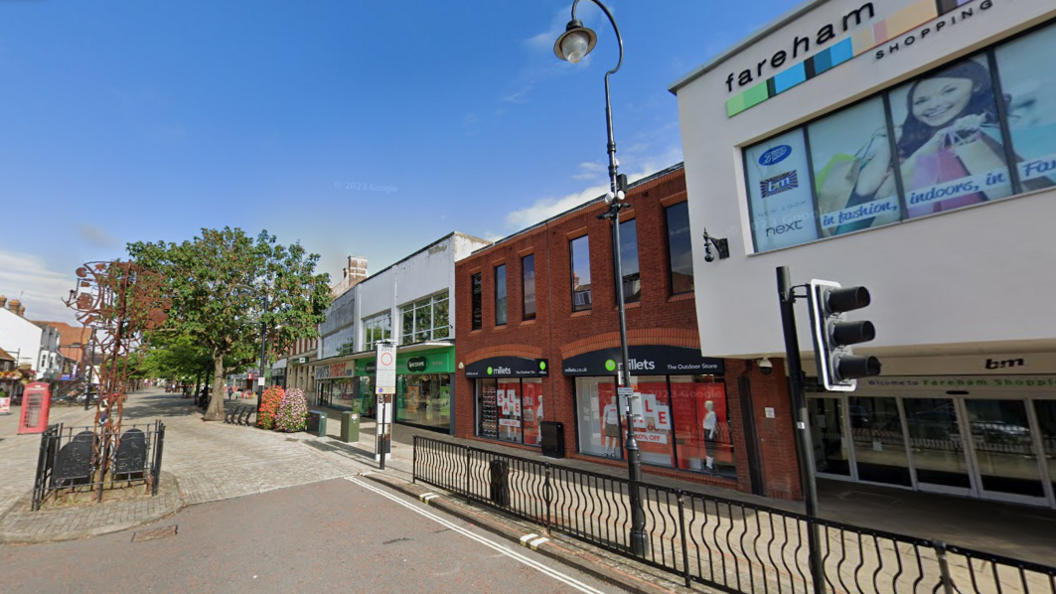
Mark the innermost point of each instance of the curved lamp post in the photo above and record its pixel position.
(576, 42)
(263, 295)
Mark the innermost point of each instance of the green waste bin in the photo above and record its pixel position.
(317, 423)
(349, 427)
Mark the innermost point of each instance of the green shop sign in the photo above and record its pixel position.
(436, 361)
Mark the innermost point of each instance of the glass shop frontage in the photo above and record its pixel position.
(335, 385)
(988, 437)
(423, 387)
(685, 420)
(509, 398)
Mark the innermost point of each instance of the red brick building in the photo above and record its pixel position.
(539, 341)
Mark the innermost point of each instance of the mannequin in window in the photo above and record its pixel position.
(711, 425)
(610, 418)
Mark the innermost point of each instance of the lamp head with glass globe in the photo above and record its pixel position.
(576, 42)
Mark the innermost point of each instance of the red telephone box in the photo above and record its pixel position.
(36, 404)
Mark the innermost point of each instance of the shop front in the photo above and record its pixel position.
(989, 437)
(423, 387)
(508, 392)
(335, 385)
(685, 421)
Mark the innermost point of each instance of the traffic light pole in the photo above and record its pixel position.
(787, 297)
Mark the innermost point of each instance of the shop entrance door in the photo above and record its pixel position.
(937, 445)
(1003, 445)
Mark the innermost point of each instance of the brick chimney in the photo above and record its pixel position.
(14, 305)
(3, 302)
(352, 274)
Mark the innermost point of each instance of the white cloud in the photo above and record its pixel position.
(550, 206)
(589, 170)
(26, 277)
(491, 236)
(519, 97)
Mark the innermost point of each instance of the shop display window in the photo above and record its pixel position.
(510, 409)
(702, 424)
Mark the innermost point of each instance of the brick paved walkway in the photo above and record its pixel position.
(208, 461)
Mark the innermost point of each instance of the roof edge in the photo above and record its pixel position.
(739, 46)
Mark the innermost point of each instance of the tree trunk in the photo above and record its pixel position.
(215, 412)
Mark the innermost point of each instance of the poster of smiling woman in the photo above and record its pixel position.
(949, 139)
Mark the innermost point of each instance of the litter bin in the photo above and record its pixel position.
(317, 423)
(349, 427)
(499, 483)
(553, 443)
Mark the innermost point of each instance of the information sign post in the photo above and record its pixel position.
(385, 382)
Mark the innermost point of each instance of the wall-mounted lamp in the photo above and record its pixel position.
(721, 246)
(461, 365)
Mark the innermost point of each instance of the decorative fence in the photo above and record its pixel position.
(729, 545)
(87, 459)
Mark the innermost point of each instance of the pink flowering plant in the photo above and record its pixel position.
(293, 412)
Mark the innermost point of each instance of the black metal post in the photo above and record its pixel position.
(801, 429)
(381, 438)
(91, 358)
(639, 541)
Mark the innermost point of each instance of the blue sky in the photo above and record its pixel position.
(352, 127)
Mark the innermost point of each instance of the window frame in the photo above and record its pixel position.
(476, 300)
(369, 324)
(638, 254)
(420, 333)
(525, 315)
(670, 255)
(505, 301)
(572, 274)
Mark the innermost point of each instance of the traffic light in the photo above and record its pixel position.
(838, 366)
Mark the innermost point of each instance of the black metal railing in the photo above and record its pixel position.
(91, 460)
(726, 544)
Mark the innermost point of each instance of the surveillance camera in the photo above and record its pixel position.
(765, 366)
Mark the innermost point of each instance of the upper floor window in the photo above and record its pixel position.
(528, 285)
(376, 328)
(426, 319)
(500, 295)
(477, 302)
(957, 136)
(679, 248)
(632, 280)
(580, 258)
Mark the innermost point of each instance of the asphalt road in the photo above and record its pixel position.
(345, 535)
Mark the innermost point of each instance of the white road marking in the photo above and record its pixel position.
(566, 579)
(527, 537)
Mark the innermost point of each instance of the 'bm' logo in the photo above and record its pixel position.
(779, 183)
(991, 364)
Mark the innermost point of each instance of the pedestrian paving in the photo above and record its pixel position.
(202, 462)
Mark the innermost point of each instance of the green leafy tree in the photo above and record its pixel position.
(226, 286)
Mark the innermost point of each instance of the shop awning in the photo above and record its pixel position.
(5, 357)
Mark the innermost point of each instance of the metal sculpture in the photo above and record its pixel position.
(122, 302)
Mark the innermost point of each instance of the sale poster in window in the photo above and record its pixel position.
(509, 404)
(653, 429)
(702, 428)
(532, 401)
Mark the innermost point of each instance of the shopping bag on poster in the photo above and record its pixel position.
(980, 155)
(932, 169)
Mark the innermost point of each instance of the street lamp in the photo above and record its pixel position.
(573, 45)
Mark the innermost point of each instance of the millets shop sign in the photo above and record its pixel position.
(644, 360)
(508, 367)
